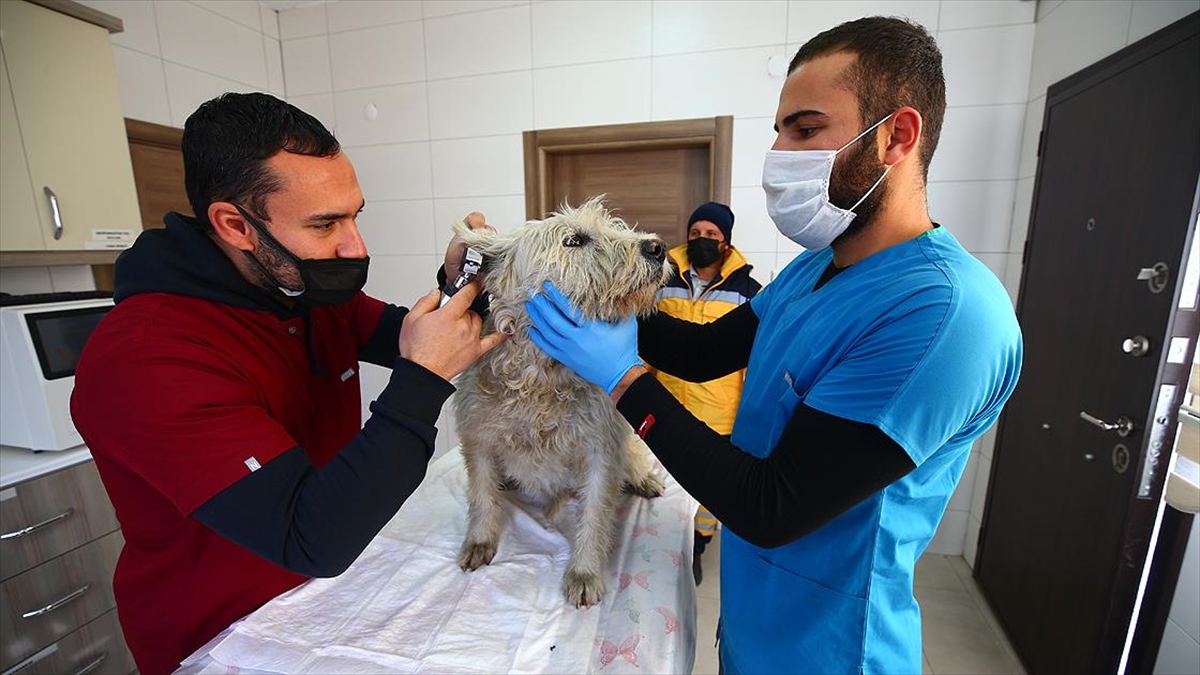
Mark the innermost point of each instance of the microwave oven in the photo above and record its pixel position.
(40, 344)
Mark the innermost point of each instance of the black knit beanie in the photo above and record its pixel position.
(716, 213)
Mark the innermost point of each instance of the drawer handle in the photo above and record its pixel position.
(34, 528)
(56, 212)
(73, 595)
(93, 665)
(33, 660)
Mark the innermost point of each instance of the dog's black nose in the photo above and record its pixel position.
(654, 250)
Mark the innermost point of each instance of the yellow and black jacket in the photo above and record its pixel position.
(715, 402)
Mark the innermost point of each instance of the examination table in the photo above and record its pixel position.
(405, 606)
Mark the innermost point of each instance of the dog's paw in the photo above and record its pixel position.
(472, 556)
(583, 589)
(649, 487)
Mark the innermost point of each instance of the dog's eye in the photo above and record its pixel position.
(575, 240)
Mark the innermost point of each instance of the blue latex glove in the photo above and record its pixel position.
(598, 351)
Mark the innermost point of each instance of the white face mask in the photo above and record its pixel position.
(796, 183)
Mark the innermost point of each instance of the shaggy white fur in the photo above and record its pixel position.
(529, 423)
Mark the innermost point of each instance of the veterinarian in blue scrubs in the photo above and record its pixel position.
(875, 360)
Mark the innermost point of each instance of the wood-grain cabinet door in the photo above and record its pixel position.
(48, 516)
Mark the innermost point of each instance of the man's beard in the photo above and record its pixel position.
(278, 264)
(851, 181)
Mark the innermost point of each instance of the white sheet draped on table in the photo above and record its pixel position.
(405, 606)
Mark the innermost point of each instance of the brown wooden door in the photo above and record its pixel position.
(654, 174)
(656, 189)
(1070, 510)
(157, 157)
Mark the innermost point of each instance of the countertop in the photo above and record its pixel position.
(18, 465)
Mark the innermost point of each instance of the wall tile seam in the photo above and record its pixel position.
(1186, 634)
(672, 55)
(343, 31)
(476, 11)
(1050, 11)
(448, 198)
(577, 64)
(137, 51)
(166, 96)
(329, 60)
(430, 140)
(162, 65)
(785, 44)
(1129, 25)
(985, 27)
(258, 30)
(973, 180)
(966, 106)
(275, 18)
(219, 77)
(267, 63)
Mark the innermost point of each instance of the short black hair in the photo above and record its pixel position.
(228, 140)
(899, 64)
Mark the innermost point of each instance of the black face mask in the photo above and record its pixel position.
(331, 281)
(703, 251)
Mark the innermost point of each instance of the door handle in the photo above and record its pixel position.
(1123, 426)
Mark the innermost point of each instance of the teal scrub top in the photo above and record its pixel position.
(919, 340)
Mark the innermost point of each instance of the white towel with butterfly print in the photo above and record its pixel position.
(405, 606)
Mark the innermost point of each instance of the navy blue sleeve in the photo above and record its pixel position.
(316, 522)
(383, 346)
(698, 352)
(821, 467)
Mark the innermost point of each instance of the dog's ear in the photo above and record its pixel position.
(492, 245)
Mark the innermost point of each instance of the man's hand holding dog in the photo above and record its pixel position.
(446, 340)
(601, 353)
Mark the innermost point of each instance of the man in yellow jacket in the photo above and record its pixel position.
(710, 278)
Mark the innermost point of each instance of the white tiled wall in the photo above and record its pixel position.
(23, 280)
(175, 54)
(1068, 35)
(430, 99)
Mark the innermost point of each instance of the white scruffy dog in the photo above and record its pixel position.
(529, 423)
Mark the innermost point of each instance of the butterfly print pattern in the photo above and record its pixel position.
(671, 619)
(626, 650)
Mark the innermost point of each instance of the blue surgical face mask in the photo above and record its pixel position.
(796, 183)
(330, 281)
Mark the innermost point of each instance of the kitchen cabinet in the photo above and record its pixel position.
(60, 544)
(63, 133)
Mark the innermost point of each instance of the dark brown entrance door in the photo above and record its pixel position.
(653, 173)
(1070, 507)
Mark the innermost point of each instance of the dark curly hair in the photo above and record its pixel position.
(899, 64)
(227, 141)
